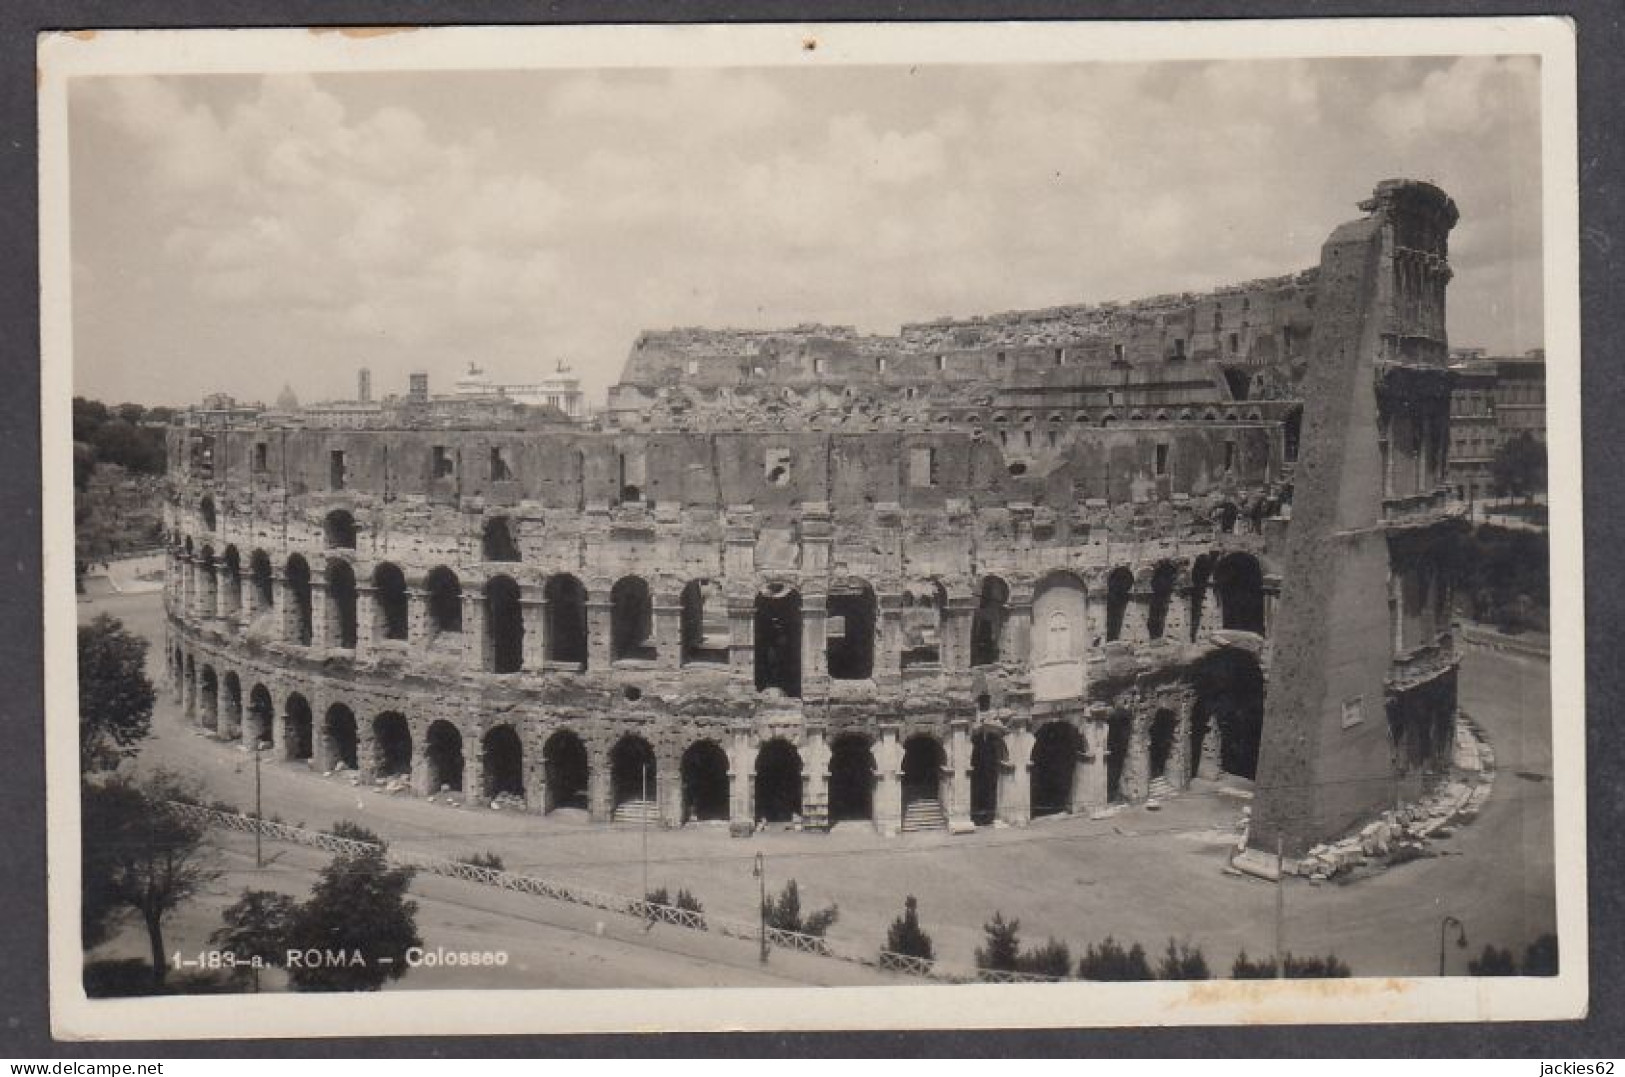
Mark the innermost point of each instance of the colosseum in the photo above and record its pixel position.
(981, 571)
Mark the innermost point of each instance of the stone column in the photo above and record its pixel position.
(958, 620)
(287, 620)
(1272, 600)
(742, 637)
(475, 644)
(473, 767)
(533, 612)
(417, 618)
(1137, 615)
(741, 767)
(421, 779)
(210, 581)
(668, 636)
(959, 763)
(889, 648)
(1176, 624)
(323, 618)
(1089, 786)
(599, 630)
(366, 621)
(888, 799)
(1015, 784)
(1016, 645)
(599, 807)
(668, 789)
(814, 657)
(815, 779)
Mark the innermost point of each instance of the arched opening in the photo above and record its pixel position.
(231, 571)
(261, 720)
(259, 570)
(778, 639)
(231, 707)
(443, 755)
(1291, 432)
(632, 779)
(339, 747)
(497, 542)
(566, 620)
(502, 759)
(504, 625)
(778, 781)
(339, 530)
(1225, 517)
(705, 622)
(205, 510)
(445, 595)
(1054, 768)
(851, 779)
(1164, 731)
(297, 731)
(209, 699)
(389, 591)
(564, 762)
(849, 631)
(297, 574)
(209, 597)
(705, 782)
(987, 757)
(1201, 573)
(1119, 586)
(392, 746)
(1230, 691)
(987, 628)
(1239, 582)
(1059, 641)
(923, 760)
(631, 619)
(1197, 763)
(1163, 579)
(1119, 731)
(341, 604)
(923, 608)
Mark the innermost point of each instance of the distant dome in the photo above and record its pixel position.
(286, 400)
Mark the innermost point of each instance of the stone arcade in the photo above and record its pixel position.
(985, 570)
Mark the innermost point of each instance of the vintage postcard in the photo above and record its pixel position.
(812, 527)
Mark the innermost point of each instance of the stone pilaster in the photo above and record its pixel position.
(888, 801)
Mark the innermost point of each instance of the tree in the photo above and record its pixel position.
(1519, 466)
(137, 855)
(1244, 968)
(1110, 961)
(1493, 962)
(257, 926)
(1053, 959)
(1182, 961)
(1002, 953)
(905, 936)
(115, 697)
(1540, 958)
(1314, 968)
(358, 920)
(784, 913)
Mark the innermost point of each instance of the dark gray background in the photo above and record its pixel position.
(24, 1014)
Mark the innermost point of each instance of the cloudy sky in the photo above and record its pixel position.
(235, 233)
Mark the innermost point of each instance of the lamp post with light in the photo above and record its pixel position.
(1461, 937)
(760, 871)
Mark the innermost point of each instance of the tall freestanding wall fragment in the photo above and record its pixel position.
(1361, 701)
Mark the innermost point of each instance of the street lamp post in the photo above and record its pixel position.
(1461, 937)
(259, 859)
(760, 871)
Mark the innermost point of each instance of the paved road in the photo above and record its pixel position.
(1140, 875)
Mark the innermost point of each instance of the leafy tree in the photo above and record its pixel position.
(1054, 958)
(258, 925)
(1493, 962)
(357, 907)
(1518, 468)
(1002, 953)
(115, 697)
(355, 832)
(138, 856)
(784, 913)
(1540, 958)
(905, 936)
(1244, 968)
(1182, 961)
(1110, 961)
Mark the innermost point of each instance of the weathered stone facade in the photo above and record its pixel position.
(772, 590)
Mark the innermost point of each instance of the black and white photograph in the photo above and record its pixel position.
(1065, 526)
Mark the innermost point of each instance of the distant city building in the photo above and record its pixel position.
(363, 387)
(418, 386)
(221, 409)
(1494, 399)
(286, 400)
(562, 391)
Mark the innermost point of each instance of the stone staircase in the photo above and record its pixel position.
(924, 814)
(637, 811)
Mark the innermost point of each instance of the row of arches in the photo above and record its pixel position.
(852, 625)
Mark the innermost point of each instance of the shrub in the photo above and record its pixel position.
(1054, 958)
(352, 832)
(1183, 962)
(1245, 968)
(486, 859)
(905, 936)
(1003, 950)
(785, 913)
(1493, 962)
(1110, 961)
(1540, 959)
(1314, 968)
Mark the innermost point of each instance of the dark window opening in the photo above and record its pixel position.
(851, 779)
(705, 622)
(631, 619)
(987, 629)
(1053, 772)
(392, 746)
(298, 579)
(389, 591)
(778, 782)
(298, 732)
(443, 465)
(1119, 586)
(501, 466)
(443, 754)
(339, 530)
(564, 763)
(987, 760)
(497, 541)
(262, 456)
(1162, 460)
(849, 632)
(632, 779)
(1163, 578)
(259, 569)
(705, 782)
(1118, 731)
(778, 640)
(337, 471)
(445, 595)
(1238, 580)
(503, 764)
(504, 625)
(1164, 729)
(923, 609)
(923, 762)
(206, 510)
(341, 604)
(566, 620)
(339, 744)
